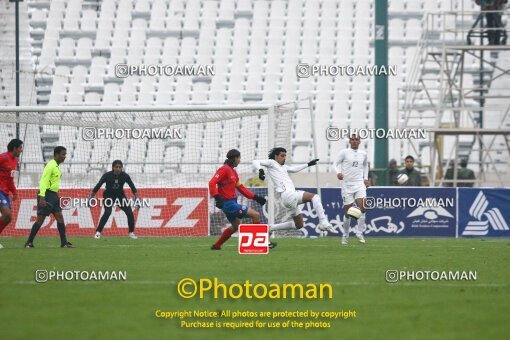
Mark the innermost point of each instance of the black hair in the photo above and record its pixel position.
(231, 155)
(13, 144)
(410, 157)
(117, 162)
(275, 152)
(58, 150)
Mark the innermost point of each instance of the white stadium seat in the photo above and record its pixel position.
(254, 45)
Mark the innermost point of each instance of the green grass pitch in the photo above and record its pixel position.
(124, 310)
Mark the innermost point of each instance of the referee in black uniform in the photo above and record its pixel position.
(114, 192)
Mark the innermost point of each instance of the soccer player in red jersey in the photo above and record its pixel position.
(8, 167)
(223, 187)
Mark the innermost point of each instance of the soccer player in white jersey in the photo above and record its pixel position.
(351, 166)
(287, 193)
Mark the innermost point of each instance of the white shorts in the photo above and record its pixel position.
(291, 200)
(349, 195)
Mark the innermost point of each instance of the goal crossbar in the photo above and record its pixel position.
(152, 116)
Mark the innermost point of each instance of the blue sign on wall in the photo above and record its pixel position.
(417, 212)
(420, 212)
(484, 212)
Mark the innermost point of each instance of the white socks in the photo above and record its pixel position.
(317, 205)
(282, 226)
(347, 224)
(361, 224)
(289, 225)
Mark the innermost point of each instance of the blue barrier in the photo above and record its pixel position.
(417, 211)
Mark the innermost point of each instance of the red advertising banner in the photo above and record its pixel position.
(163, 212)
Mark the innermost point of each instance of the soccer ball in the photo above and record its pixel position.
(402, 179)
(354, 213)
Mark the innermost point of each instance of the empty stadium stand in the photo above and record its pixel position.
(74, 46)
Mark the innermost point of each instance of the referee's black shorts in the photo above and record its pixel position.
(52, 204)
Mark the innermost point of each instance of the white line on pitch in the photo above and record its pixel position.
(339, 284)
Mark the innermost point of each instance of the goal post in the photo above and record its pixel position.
(169, 152)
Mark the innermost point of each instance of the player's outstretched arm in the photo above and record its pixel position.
(244, 191)
(258, 164)
(297, 168)
(248, 194)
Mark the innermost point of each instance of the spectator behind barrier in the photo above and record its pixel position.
(413, 174)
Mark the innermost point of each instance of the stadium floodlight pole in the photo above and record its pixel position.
(482, 95)
(17, 65)
(381, 82)
(314, 139)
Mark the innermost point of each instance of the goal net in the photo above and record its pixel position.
(169, 153)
